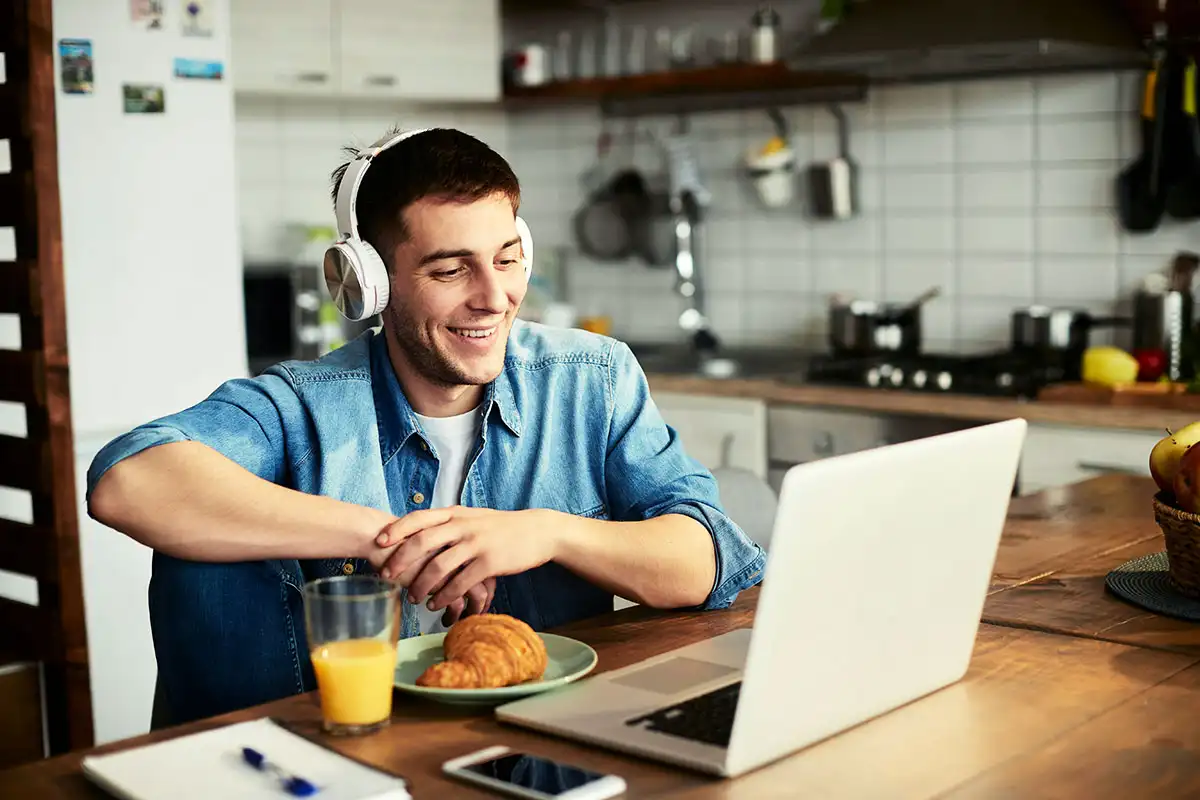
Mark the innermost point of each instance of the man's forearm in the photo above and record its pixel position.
(189, 501)
(665, 562)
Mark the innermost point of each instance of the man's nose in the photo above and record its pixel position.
(490, 291)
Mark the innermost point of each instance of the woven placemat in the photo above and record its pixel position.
(1144, 582)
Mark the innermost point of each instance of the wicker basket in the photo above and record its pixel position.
(1181, 529)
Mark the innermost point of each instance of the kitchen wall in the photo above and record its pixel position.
(287, 148)
(998, 191)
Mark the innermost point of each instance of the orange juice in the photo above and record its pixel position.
(354, 678)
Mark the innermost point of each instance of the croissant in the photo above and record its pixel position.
(487, 651)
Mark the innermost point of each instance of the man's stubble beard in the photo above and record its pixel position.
(424, 357)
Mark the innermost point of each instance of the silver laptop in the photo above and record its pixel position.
(878, 568)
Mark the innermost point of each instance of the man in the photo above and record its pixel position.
(476, 459)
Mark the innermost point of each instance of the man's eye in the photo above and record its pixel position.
(447, 273)
(508, 262)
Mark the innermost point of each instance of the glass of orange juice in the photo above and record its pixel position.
(353, 623)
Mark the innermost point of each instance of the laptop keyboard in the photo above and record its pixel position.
(707, 718)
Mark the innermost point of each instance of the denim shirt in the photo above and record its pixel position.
(569, 424)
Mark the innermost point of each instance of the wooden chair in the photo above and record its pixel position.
(41, 462)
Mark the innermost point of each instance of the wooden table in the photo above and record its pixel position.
(1056, 703)
(1058, 547)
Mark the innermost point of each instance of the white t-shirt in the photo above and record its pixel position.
(453, 438)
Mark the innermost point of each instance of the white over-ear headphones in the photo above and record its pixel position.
(354, 273)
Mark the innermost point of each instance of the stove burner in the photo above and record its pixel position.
(999, 374)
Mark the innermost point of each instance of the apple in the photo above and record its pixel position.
(1167, 452)
(1187, 481)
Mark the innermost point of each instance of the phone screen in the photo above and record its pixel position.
(532, 772)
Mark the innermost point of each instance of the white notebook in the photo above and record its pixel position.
(209, 765)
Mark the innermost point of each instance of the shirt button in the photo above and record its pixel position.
(418, 497)
(348, 568)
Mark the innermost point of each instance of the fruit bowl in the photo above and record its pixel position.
(1181, 530)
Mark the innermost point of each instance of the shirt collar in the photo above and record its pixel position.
(394, 415)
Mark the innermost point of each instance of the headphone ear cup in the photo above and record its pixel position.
(356, 279)
(526, 245)
(377, 284)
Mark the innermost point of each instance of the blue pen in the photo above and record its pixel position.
(293, 784)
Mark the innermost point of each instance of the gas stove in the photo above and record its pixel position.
(999, 374)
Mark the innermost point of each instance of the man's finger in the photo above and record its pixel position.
(455, 611)
(471, 574)
(438, 571)
(412, 556)
(478, 598)
(413, 522)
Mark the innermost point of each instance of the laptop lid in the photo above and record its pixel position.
(879, 566)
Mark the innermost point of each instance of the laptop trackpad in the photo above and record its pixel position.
(674, 675)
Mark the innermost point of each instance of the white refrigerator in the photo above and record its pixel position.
(153, 269)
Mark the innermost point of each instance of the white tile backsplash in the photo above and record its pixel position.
(1000, 191)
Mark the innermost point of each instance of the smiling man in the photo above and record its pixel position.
(478, 460)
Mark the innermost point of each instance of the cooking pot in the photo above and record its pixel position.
(866, 327)
(1060, 330)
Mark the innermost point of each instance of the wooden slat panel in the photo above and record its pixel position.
(68, 695)
(27, 549)
(19, 290)
(24, 464)
(10, 109)
(14, 200)
(27, 630)
(20, 376)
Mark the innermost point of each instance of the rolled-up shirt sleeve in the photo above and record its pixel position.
(648, 474)
(243, 420)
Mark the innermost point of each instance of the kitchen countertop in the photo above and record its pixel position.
(780, 389)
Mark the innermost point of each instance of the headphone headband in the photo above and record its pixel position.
(347, 198)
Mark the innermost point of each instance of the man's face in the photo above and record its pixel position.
(457, 283)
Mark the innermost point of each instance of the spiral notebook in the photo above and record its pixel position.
(210, 764)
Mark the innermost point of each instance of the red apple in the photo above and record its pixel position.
(1167, 453)
(1187, 481)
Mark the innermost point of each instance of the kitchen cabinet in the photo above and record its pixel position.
(712, 428)
(282, 46)
(394, 49)
(419, 50)
(1056, 455)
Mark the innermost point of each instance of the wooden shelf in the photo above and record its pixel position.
(701, 89)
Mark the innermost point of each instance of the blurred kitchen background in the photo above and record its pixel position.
(1000, 192)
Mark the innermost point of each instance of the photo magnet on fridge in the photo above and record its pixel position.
(147, 13)
(197, 18)
(75, 62)
(143, 98)
(199, 68)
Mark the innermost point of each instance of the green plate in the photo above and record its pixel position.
(569, 660)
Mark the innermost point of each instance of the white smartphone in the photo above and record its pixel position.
(525, 775)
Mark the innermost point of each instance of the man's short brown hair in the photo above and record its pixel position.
(438, 163)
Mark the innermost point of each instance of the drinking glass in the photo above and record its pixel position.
(353, 623)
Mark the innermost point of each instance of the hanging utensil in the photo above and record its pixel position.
(1140, 199)
(832, 185)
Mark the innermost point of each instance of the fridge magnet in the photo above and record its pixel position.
(197, 21)
(75, 62)
(147, 13)
(143, 98)
(199, 68)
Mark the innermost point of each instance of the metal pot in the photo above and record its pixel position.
(1162, 321)
(865, 327)
(1056, 330)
